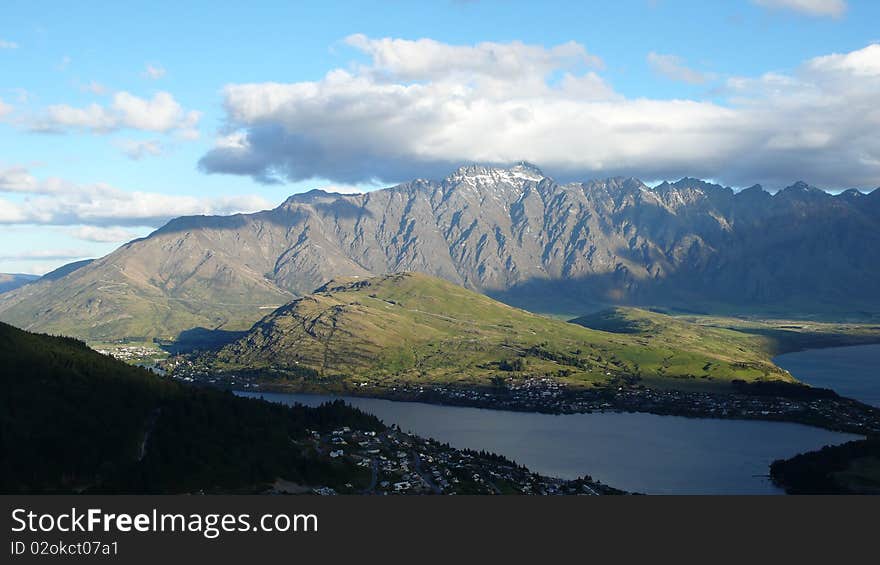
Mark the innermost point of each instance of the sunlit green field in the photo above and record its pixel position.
(416, 328)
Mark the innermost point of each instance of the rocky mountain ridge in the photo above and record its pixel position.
(512, 233)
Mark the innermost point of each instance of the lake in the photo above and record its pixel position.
(853, 372)
(636, 452)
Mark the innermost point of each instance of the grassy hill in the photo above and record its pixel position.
(787, 335)
(410, 327)
(683, 345)
(72, 420)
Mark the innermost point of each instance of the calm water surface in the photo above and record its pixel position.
(636, 452)
(850, 371)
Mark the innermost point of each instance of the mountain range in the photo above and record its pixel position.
(512, 233)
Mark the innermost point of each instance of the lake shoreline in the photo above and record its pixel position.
(833, 414)
(637, 452)
(818, 408)
(849, 370)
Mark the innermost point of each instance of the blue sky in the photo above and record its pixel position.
(115, 116)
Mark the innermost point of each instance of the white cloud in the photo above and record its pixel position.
(41, 269)
(137, 150)
(46, 255)
(54, 201)
(11, 213)
(93, 117)
(19, 179)
(4, 108)
(405, 116)
(154, 72)
(8, 44)
(673, 67)
(826, 8)
(427, 59)
(101, 235)
(862, 63)
(161, 113)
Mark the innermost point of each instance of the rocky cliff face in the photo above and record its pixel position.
(512, 233)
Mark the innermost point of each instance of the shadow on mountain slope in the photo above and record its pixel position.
(199, 338)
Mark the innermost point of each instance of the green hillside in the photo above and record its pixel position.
(72, 420)
(787, 335)
(411, 327)
(652, 328)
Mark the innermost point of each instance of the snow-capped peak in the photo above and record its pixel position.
(527, 171)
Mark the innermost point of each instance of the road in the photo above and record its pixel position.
(374, 478)
(417, 465)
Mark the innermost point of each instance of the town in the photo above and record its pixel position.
(546, 395)
(132, 353)
(403, 463)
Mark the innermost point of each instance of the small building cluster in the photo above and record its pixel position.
(401, 463)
